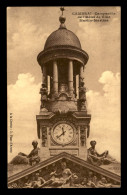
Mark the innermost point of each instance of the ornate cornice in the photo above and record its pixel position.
(66, 52)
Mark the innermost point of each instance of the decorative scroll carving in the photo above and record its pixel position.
(82, 135)
(44, 136)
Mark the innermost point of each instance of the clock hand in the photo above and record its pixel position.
(62, 129)
(61, 134)
(64, 132)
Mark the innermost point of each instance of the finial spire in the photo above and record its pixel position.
(62, 9)
(62, 18)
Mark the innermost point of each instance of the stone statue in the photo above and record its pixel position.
(62, 179)
(36, 182)
(82, 92)
(31, 158)
(44, 94)
(103, 183)
(98, 159)
(82, 96)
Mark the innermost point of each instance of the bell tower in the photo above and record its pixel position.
(63, 123)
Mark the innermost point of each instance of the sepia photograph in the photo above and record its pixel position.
(63, 97)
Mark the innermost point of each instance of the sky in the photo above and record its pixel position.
(27, 31)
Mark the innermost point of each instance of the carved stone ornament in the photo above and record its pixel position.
(82, 135)
(43, 92)
(53, 167)
(44, 136)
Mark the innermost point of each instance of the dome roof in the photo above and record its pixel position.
(64, 44)
(62, 37)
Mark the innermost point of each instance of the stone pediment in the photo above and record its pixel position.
(75, 164)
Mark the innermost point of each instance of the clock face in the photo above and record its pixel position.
(63, 133)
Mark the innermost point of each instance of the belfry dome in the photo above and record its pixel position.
(62, 37)
(62, 44)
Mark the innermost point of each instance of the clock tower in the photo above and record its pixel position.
(63, 123)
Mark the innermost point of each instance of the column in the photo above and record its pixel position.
(51, 84)
(41, 136)
(70, 77)
(77, 86)
(55, 77)
(42, 72)
(81, 76)
(44, 75)
(48, 83)
(74, 86)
